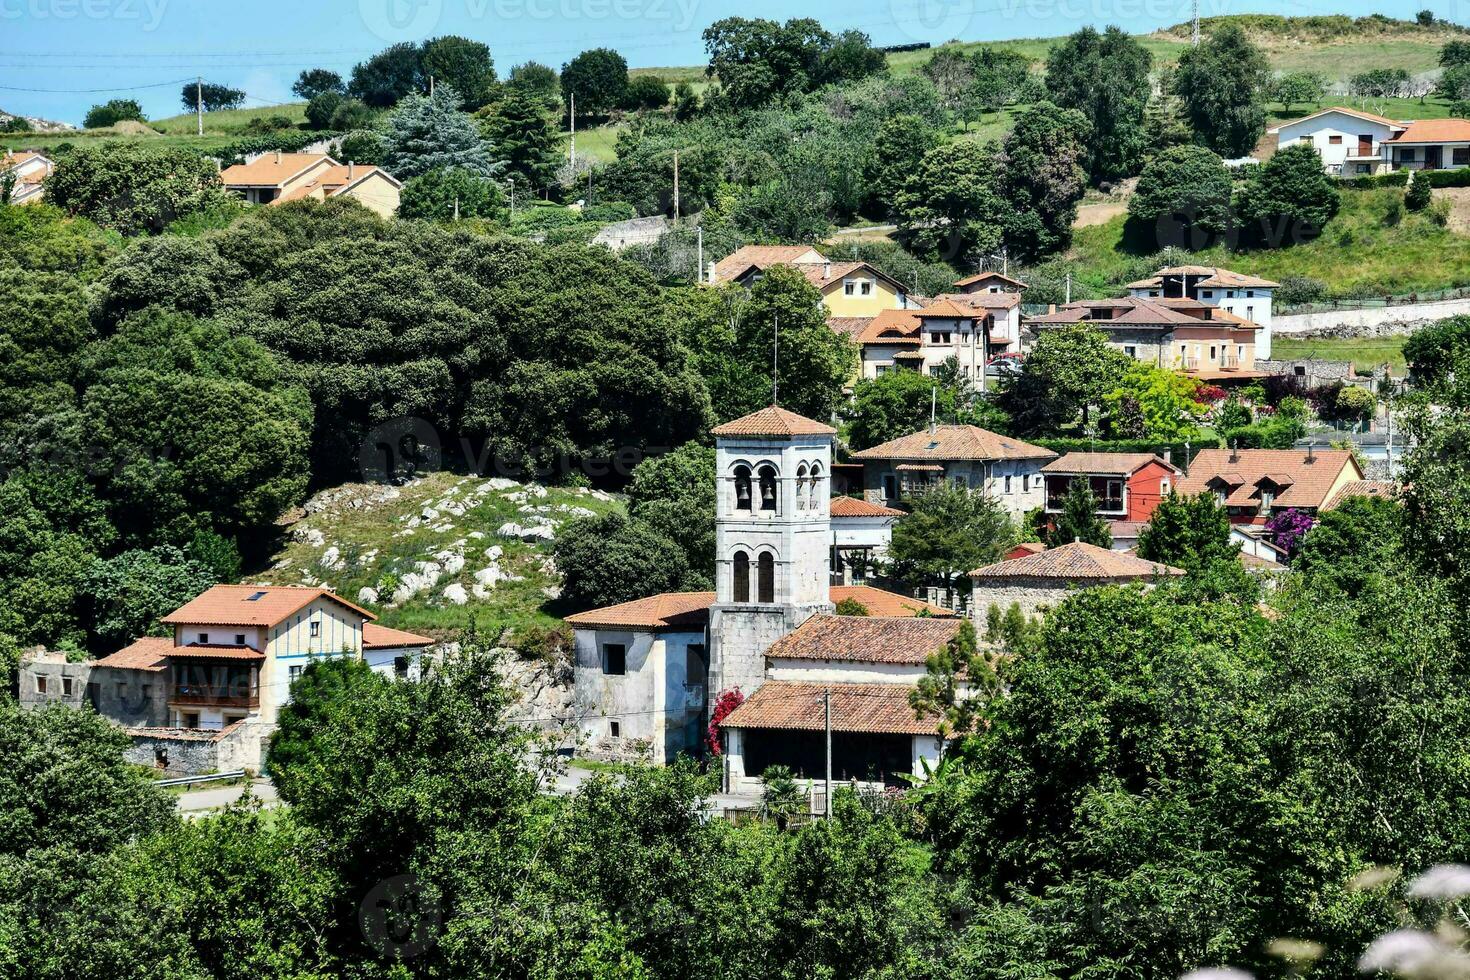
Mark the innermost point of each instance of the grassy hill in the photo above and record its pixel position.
(442, 527)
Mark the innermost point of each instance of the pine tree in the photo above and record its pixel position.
(526, 138)
(430, 133)
(1078, 520)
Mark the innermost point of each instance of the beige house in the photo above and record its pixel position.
(29, 170)
(1040, 581)
(1254, 484)
(849, 289)
(275, 178)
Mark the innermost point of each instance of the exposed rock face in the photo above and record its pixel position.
(545, 689)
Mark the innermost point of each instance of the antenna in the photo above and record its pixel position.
(776, 360)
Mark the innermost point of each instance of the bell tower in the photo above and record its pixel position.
(772, 535)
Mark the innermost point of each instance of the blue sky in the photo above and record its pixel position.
(81, 52)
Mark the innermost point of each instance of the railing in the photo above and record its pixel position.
(191, 780)
(1375, 302)
(1105, 505)
(207, 696)
(1191, 364)
(1229, 362)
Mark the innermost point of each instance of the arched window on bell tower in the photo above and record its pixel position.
(766, 578)
(767, 475)
(742, 488)
(801, 487)
(742, 576)
(815, 489)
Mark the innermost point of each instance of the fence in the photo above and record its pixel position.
(1375, 302)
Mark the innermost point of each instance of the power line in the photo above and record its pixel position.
(93, 91)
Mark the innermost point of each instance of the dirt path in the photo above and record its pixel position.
(1459, 198)
(1100, 213)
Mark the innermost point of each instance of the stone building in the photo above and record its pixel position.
(1040, 581)
(1005, 469)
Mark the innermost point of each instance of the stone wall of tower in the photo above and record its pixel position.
(797, 534)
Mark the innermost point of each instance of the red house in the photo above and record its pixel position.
(1128, 486)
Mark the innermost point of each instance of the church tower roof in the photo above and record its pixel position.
(774, 421)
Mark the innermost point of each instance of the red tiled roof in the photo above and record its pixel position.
(251, 605)
(984, 301)
(1241, 470)
(988, 276)
(1104, 463)
(1076, 562)
(271, 169)
(870, 708)
(375, 637)
(907, 639)
(759, 256)
(1434, 131)
(773, 421)
(857, 507)
(887, 604)
(954, 442)
(666, 611)
(849, 326)
(144, 653)
(949, 309)
(214, 651)
(1363, 488)
(891, 327)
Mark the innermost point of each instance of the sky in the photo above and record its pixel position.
(59, 57)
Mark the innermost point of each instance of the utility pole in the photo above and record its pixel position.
(699, 254)
(827, 724)
(676, 187)
(573, 114)
(1069, 288)
(199, 102)
(1194, 35)
(456, 207)
(431, 86)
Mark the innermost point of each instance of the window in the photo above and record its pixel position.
(66, 687)
(1250, 312)
(1208, 294)
(959, 482)
(145, 691)
(231, 719)
(742, 488)
(766, 578)
(1268, 497)
(1212, 352)
(890, 486)
(1240, 351)
(1008, 483)
(189, 720)
(239, 639)
(801, 487)
(741, 574)
(203, 637)
(1409, 154)
(614, 729)
(813, 498)
(1153, 292)
(400, 666)
(316, 627)
(768, 488)
(1025, 482)
(1334, 140)
(1360, 168)
(1249, 293)
(867, 288)
(1130, 350)
(293, 673)
(848, 287)
(1164, 487)
(1460, 156)
(122, 690)
(40, 684)
(614, 658)
(940, 337)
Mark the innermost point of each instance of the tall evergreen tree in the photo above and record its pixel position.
(1078, 520)
(1105, 77)
(428, 132)
(1188, 532)
(1222, 84)
(526, 138)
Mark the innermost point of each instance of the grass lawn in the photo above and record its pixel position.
(1366, 353)
(598, 143)
(229, 120)
(1428, 108)
(1362, 249)
(381, 542)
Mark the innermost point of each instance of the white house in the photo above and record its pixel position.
(1351, 142)
(1004, 468)
(861, 532)
(1247, 297)
(1430, 144)
(29, 170)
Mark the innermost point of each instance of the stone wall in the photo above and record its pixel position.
(183, 752)
(1034, 596)
(1378, 321)
(64, 682)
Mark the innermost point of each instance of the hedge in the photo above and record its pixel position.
(1174, 448)
(1446, 178)
(287, 141)
(1394, 178)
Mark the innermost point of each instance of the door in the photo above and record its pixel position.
(1365, 146)
(1433, 157)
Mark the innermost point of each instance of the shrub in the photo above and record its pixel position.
(1297, 290)
(609, 211)
(319, 110)
(351, 114)
(851, 607)
(1354, 403)
(536, 641)
(1418, 196)
(115, 111)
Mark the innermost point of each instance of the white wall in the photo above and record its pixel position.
(841, 671)
(1319, 133)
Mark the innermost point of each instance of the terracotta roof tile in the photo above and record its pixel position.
(866, 639)
(773, 421)
(271, 170)
(144, 653)
(871, 708)
(954, 442)
(251, 605)
(214, 651)
(857, 507)
(1104, 463)
(1242, 470)
(980, 277)
(849, 326)
(1363, 488)
(984, 301)
(892, 327)
(887, 604)
(948, 308)
(1434, 131)
(666, 611)
(760, 256)
(375, 637)
(1076, 562)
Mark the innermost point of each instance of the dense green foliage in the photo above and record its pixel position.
(597, 79)
(1079, 520)
(1222, 86)
(1187, 188)
(132, 187)
(1104, 76)
(949, 532)
(1188, 532)
(113, 111)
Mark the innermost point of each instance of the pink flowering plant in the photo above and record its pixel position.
(1288, 528)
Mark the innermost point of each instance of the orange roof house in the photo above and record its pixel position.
(1207, 342)
(1038, 582)
(275, 178)
(1254, 484)
(29, 170)
(849, 289)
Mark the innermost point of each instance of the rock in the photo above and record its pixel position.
(452, 562)
(488, 576)
(455, 510)
(540, 532)
(455, 593)
(494, 552)
(500, 483)
(367, 596)
(310, 535)
(552, 592)
(429, 514)
(510, 529)
(332, 558)
(476, 535)
(535, 490)
(443, 528)
(368, 557)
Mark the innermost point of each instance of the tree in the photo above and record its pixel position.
(320, 108)
(526, 137)
(463, 64)
(1352, 544)
(1289, 197)
(1418, 196)
(851, 57)
(950, 531)
(389, 75)
(757, 60)
(598, 79)
(1297, 88)
(611, 559)
(1189, 532)
(314, 81)
(1068, 371)
(1379, 83)
(952, 73)
(646, 92)
(537, 82)
(1000, 77)
(1454, 53)
(1165, 404)
(1184, 192)
(1222, 84)
(851, 607)
(133, 188)
(1040, 179)
(1454, 84)
(1105, 77)
(430, 133)
(1433, 351)
(815, 362)
(131, 590)
(114, 111)
(948, 205)
(675, 494)
(451, 194)
(212, 96)
(898, 146)
(892, 405)
(1079, 520)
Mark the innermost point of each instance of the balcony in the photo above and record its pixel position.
(1106, 506)
(1191, 363)
(1229, 362)
(215, 686)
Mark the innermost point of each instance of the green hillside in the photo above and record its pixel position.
(444, 527)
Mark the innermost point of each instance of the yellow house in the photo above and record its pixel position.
(275, 178)
(849, 289)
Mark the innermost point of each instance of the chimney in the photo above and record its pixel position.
(278, 156)
(1311, 453)
(1051, 308)
(711, 271)
(1234, 450)
(827, 269)
(1169, 455)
